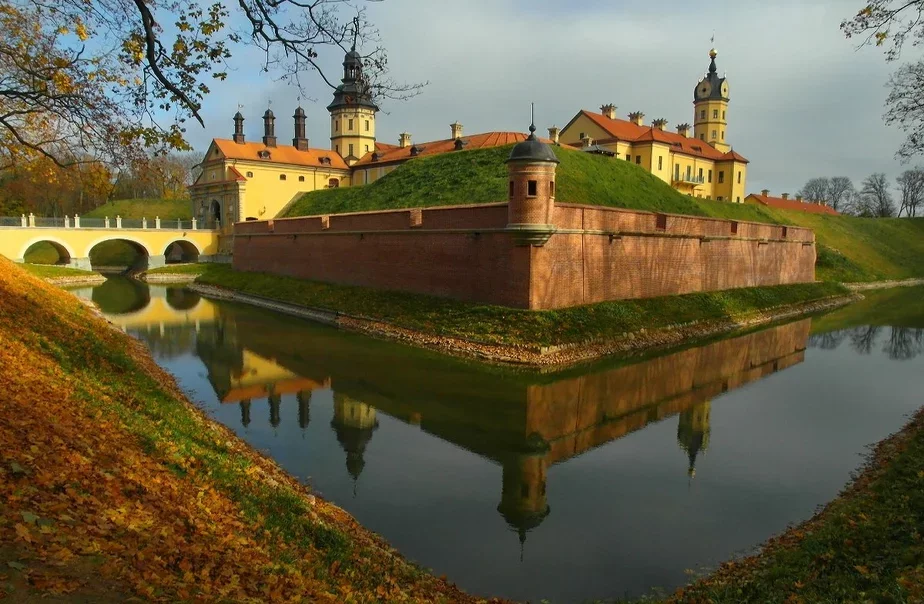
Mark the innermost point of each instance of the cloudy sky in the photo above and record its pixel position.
(804, 101)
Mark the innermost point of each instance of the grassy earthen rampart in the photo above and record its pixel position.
(114, 485)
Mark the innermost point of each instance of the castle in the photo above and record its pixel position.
(243, 180)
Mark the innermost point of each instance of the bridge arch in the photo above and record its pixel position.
(181, 250)
(141, 260)
(65, 251)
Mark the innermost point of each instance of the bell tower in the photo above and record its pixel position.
(352, 112)
(710, 104)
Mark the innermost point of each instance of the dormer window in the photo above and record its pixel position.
(459, 144)
(325, 161)
(263, 154)
(375, 156)
(415, 150)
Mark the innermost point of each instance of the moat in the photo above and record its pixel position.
(601, 481)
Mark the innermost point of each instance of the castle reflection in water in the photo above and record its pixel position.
(525, 422)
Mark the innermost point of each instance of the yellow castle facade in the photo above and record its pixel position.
(244, 180)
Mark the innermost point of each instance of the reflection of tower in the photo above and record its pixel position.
(354, 422)
(274, 401)
(693, 432)
(523, 503)
(304, 409)
(245, 412)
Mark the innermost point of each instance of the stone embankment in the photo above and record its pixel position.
(859, 287)
(89, 279)
(168, 277)
(536, 356)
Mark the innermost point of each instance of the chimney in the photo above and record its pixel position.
(683, 130)
(765, 192)
(636, 117)
(798, 198)
(456, 129)
(300, 141)
(269, 129)
(553, 134)
(608, 111)
(404, 140)
(660, 123)
(785, 196)
(238, 128)
(587, 142)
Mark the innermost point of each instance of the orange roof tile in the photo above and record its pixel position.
(628, 131)
(281, 154)
(475, 141)
(792, 204)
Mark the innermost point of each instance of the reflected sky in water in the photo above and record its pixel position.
(596, 482)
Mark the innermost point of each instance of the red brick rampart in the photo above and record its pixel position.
(465, 252)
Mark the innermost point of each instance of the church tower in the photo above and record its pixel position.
(352, 112)
(710, 102)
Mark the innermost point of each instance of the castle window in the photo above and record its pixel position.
(734, 227)
(738, 199)
(532, 188)
(723, 115)
(337, 148)
(351, 148)
(739, 177)
(700, 175)
(333, 183)
(336, 125)
(715, 114)
(638, 159)
(721, 177)
(367, 125)
(628, 157)
(301, 179)
(349, 124)
(367, 148)
(661, 221)
(511, 188)
(551, 188)
(660, 162)
(282, 177)
(723, 135)
(581, 136)
(676, 171)
(713, 135)
(250, 175)
(702, 114)
(702, 136)
(710, 175)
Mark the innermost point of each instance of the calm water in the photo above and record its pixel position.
(597, 482)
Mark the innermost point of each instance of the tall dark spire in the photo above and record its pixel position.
(269, 128)
(238, 128)
(300, 141)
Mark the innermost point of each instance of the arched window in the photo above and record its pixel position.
(333, 183)
(301, 179)
(250, 175)
(282, 177)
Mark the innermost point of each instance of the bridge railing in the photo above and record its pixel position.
(75, 221)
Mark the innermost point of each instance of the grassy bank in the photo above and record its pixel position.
(51, 271)
(144, 208)
(850, 249)
(500, 325)
(113, 485)
(192, 268)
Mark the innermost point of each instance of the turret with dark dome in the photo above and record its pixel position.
(710, 101)
(531, 192)
(352, 112)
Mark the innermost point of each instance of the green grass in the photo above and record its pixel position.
(500, 325)
(49, 271)
(850, 249)
(192, 268)
(144, 208)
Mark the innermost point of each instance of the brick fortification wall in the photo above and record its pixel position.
(466, 252)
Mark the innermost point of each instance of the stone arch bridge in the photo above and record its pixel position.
(74, 238)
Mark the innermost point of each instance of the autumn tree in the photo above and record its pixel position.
(107, 78)
(875, 198)
(911, 191)
(841, 194)
(890, 24)
(816, 190)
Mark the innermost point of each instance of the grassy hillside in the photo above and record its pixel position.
(144, 208)
(850, 249)
(480, 176)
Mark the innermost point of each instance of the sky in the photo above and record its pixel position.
(805, 101)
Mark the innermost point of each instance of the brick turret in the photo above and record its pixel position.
(531, 194)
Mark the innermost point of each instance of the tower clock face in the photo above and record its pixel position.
(704, 89)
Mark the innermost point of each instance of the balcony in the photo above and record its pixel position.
(687, 180)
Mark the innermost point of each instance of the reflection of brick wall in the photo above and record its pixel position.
(463, 252)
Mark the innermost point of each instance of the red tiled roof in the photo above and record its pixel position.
(382, 147)
(237, 175)
(282, 154)
(630, 132)
(792, 204)
(475, 141)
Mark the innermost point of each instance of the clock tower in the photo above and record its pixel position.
(352, 112)
(710, 102)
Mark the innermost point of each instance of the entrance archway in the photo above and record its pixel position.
(214, 219)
